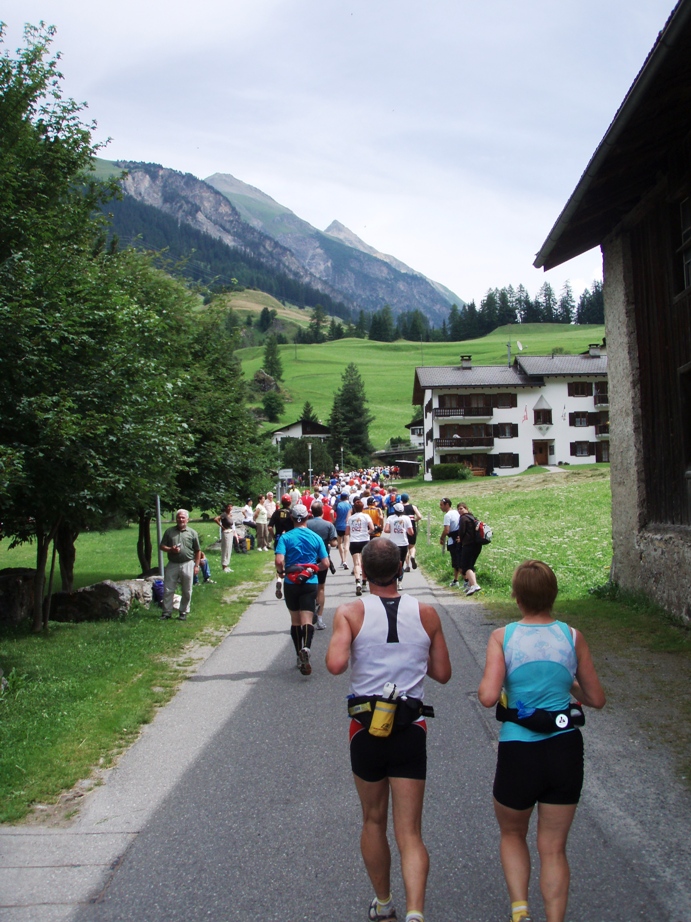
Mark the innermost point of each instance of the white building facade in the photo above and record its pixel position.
(500, 419)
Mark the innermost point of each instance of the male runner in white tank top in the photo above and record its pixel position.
(386, 638)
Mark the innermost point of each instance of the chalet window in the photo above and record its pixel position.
(579, 420)
(685, 395)
(580, 388)
(582, 449)
(686, 240)
(505, 401)
(507, 459)
(542, 417)
(506, 431)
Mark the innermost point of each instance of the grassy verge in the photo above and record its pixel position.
(562, 518)
(79, 695)
(642, 655)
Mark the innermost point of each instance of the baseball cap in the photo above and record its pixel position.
(299, 512)
(398, 507)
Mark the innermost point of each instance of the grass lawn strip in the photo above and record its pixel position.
(79, 695)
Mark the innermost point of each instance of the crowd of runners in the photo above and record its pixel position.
(390, 642)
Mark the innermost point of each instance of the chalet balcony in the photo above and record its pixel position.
(601, 400)
(463, 412)
(602, 431)
(467, 442)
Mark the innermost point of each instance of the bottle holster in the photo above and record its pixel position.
(376, 714)
(541, 720)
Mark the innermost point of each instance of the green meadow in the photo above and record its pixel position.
(313, 372)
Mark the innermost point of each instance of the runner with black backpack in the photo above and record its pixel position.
(471, 546)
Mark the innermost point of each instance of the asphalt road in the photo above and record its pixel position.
(237, 803)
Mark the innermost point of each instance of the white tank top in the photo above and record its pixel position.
(392, 646)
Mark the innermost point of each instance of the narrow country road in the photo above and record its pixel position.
(237, 803)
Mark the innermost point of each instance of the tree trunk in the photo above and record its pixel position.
(49, 594)
(65, 538)
(43, 539)
(144, 541)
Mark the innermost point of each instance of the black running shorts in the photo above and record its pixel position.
(468, 557)
(300, 597)
(401, 755)
(549, 771)
(357, 547)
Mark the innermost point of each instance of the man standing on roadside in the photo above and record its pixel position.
(300, 554)
(449, 537)
(394, 641)
(327, 532)
(181, 544)
(227, 525)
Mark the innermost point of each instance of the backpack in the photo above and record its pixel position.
(483, 532)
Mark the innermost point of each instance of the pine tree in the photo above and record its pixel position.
(308, 415)
(272, 359)
(567, 306)
(350, 420)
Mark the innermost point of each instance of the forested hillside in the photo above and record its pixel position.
(200, 257)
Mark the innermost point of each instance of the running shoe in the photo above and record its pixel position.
(344, 566)
(406, 569)
(358, 588)
(279, 589)
(165, 616)
(375, 916)
(305, 666)
(182, 616)
(320, 626)
(473, 589)
(453, 584)
(413, 562)
(522, 918)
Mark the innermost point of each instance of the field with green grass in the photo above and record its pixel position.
(79, 694)
(313, 372)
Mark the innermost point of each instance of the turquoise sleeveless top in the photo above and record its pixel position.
(541, 666)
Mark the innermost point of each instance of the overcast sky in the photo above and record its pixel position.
(449, 133)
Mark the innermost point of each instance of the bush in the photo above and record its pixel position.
(453, 471)
(273, 406)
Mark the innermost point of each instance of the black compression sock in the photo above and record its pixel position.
(296, 634)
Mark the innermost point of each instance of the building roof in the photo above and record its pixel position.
(653, 117)
(546, 366)
(439, 376)
(308, 428)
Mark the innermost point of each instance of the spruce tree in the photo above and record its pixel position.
(272, 359)
(350, 420)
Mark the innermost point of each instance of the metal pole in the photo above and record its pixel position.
(309, 450)
(341, 459)
(159, 534)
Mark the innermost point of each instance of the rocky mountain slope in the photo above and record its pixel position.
(361, 275)
(335, 262)
(195, 203)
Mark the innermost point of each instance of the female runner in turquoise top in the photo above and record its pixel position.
(539, 663)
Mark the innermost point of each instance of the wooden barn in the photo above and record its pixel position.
(634, 201)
